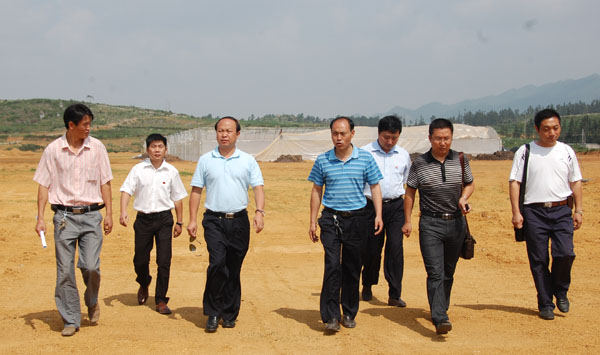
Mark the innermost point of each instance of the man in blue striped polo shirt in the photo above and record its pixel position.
(344, 170)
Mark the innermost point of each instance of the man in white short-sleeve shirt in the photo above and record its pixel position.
(553, 176)
(158, 189)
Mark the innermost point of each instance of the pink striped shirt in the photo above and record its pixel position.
(74, 179)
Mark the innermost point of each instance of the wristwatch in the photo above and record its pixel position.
(261, 211)
(179, 224)
(579, 212)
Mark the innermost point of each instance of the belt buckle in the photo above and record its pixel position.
(547, 204)
(229, 215)
(447, 216)
(78, 210)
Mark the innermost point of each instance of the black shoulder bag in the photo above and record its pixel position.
(468, 248)
(520, 232)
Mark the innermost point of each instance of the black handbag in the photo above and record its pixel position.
(468, 248)
(520, 232)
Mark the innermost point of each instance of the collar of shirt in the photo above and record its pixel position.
(217, 154)
(430, 159)
(148, 163)
(64, 143)
(377, 148)
(332, 156)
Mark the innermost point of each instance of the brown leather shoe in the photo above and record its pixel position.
(69, 330)
(94, 313)
(142, 295)
(162, 308)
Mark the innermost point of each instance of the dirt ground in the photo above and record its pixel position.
(493, 305)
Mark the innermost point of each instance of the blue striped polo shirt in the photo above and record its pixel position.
(344, 181)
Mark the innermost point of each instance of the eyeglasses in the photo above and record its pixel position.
(192, 246)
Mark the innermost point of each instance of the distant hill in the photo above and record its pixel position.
(584, 89)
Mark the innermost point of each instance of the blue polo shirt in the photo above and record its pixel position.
(227, 180)
(344, 181)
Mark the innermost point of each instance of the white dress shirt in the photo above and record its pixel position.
(154, 189)
(394, 166)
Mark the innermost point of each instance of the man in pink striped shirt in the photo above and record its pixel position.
(74, 176)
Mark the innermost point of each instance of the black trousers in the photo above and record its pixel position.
(148, 228)
(543, 225)
(440, 241)
(342, 245)
(393, 262)
(227, 241)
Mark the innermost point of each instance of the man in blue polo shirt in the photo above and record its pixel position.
(344, 171)
(226, 172)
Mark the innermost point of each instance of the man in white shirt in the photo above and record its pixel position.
(394, 164)
(157, 188)
(553, 176)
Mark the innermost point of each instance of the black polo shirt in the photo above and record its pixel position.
(439, 184)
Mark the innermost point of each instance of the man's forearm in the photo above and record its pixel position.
(106, 192)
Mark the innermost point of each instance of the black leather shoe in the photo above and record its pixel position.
(443, 327)
(547, 314)
(212, 324)
(348, 322)
(563, 304)
(367, 294)
(332, 325)
(142, 295)
(228, 323)
(396, 302)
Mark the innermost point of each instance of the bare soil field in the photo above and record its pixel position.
(493, 306)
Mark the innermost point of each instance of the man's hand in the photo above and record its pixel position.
(177, 230)
(108, 224)
(406, 229)
(259, 222)
(378, 225)
(517, 220)
(312, 232)
(577, 220)
(124, 219)
(192, 228)
(40, 226)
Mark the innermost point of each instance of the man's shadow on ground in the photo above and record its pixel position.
(52, 319)
(308, 317)
(406, 317)
(503, 308)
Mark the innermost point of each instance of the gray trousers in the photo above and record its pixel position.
(85, 230)
(440, 241)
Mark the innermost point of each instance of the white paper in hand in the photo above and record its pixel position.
(43, 238)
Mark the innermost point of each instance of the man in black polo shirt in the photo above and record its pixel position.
(437, 175)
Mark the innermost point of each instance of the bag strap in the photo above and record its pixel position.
(461, 157)
(523, 179)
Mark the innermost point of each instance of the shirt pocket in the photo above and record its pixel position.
(92, 175)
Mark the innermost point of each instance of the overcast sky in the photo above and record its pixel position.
(314, 57)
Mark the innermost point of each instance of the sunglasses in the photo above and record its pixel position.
(192, 246)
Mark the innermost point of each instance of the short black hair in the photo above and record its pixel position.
(237, 123)
(390, 124)
(440, 123)
(155, 137)
(75, 114)
(350, 122)
(544, 115)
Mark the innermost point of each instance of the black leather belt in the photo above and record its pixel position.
(548, 204)
(446, 216)
(388, 200)
(344, 213)
(230, 215)
(154, 214)
(78, 209)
